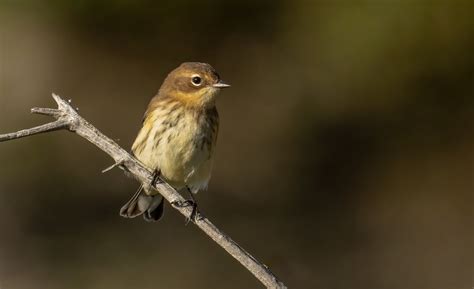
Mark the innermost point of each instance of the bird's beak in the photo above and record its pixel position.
(220, 84)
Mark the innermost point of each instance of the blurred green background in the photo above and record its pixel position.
(345, 156)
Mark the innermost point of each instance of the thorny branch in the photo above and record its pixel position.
(68, 118)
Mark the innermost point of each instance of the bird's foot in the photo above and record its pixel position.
(156, 178)
(185, 204)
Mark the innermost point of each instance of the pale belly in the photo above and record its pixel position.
(181, 153)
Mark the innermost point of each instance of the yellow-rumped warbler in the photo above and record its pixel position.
(178, 136)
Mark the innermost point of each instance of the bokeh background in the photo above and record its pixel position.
(345, 155)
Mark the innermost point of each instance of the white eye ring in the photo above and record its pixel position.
(196, 80)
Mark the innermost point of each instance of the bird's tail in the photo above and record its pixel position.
(151, 207)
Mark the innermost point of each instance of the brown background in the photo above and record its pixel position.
(344, 161)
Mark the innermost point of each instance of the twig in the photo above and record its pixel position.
(68, 118)
(52, 126)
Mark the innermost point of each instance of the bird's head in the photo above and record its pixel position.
(193, 83)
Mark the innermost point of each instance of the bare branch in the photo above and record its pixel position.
(68, 118)
(52, 126)
(46, 111)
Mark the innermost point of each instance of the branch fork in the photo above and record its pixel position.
(68, 118)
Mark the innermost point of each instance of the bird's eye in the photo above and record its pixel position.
(196, 80)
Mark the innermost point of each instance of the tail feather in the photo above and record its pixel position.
(151, 207)
(130, 209)
(155, 210)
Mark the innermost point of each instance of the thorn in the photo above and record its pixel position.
(117, 164)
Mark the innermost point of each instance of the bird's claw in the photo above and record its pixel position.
(184, 204)
(156, 178)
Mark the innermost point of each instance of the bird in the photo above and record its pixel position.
(178, 137)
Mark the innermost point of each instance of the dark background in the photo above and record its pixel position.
(345, 155)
